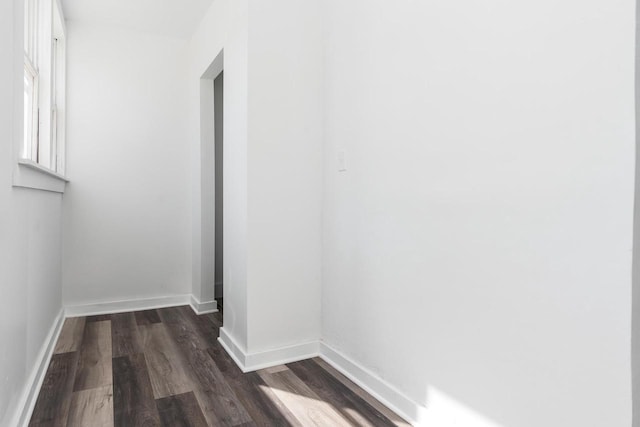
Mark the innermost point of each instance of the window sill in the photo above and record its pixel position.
(29, 174)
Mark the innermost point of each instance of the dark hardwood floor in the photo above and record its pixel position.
(165, 367)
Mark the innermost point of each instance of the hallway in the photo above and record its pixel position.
(440, 200)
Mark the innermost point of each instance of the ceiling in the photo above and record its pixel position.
(173, 18)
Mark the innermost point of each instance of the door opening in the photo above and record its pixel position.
(218, 106)
(208, 266)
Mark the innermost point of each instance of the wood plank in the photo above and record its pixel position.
(181, 410)
(217, 400)
(133, 400)
(125, 338)
(94, 365)
(167, 371)
(332, 391)
(395, 418)
(70, 337)
(303, 403)
(208, 403)
(258, 400)
(92, 407)
(52, 406)
(208, 326)
(183, 329)
(99, 318)
(147, 317)
(275, 369)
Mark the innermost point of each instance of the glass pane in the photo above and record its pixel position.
(28, 115)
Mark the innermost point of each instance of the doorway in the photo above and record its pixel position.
(208, 266)
(218, 106)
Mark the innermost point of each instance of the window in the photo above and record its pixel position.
(44, 85)
(30, 143)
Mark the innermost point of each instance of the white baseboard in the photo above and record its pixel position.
(203, 307)
(29, 396)
(249, 362)
(111, 307)
(387, 394)
(280, 356)
(232, 348)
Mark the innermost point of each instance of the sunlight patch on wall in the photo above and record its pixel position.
(443, 410)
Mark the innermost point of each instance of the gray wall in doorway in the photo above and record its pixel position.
(218, 85)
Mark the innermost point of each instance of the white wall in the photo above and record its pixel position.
(30, 236)
(635, 308)
(478, 249)
(127, 208)
(273, 166)
(285, 172)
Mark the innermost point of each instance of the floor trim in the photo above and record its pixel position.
(203, 307)
(249, 362)
(112, 307)
(282, 355)
(33, 384)
(386, 393)
(232, 348)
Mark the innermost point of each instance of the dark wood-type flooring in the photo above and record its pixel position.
(165, 367)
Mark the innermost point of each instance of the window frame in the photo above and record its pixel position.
(45, 63)
(40, 160)
(31, 146)
(58, 104)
